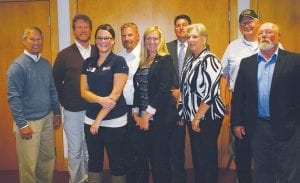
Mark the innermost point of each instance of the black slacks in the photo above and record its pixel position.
(113, 139)
(204, 147)
(178, 153)
(243, 159)
(151, 146)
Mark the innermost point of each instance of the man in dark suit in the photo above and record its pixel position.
(179, 50)
(266, 106)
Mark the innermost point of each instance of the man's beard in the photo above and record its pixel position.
(266, 45)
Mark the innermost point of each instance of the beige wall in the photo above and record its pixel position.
(286, 14)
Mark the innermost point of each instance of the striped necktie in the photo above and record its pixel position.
(181, 56)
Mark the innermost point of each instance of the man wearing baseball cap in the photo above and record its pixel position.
(247, 13)
(236, 50)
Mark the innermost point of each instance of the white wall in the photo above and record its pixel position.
(242, 4)
(63, 11)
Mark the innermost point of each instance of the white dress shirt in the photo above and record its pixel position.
(234, 53)
(85, 52)
(132, 59)
(34, 57)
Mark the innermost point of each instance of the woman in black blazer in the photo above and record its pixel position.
(154, 108)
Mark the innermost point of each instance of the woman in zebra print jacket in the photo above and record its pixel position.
(201, 105)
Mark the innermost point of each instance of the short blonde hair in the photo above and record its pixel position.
(162, 47)
(131, 25)
(199, 27)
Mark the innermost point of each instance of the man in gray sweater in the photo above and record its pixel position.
(33, 99)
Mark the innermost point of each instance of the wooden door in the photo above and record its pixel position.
(148, 12)
(14, 18)
(286, 14)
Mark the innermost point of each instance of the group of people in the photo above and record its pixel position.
(138, 103)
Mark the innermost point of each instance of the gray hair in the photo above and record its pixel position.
(29, 30)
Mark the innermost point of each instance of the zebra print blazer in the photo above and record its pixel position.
(201, 82)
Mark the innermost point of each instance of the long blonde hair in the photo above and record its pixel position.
(162, 49)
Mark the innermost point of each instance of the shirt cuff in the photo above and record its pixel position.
(151, 110)
(135, 110)
(24, 126)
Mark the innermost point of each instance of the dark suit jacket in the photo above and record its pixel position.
(284, 95)
(172, 48)
(160, 78)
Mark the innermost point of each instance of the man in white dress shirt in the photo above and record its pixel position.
(131, 52)
(236, 50)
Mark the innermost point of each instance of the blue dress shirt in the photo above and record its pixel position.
(264, 80)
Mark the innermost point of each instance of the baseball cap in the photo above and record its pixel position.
(247, 13)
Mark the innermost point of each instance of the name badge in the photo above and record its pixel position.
(91, 69)
(106, 68)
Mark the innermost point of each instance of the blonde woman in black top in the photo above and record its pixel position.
(154, 108)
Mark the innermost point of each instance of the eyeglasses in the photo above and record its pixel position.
(103, 38)
(247, 22)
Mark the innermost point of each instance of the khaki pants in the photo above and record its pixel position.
(36, 157)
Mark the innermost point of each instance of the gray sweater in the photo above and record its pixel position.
(31, 89)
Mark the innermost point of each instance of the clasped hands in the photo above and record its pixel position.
(107, 102)
(142, 121)
(196, 125)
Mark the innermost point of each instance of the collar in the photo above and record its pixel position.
(179, 43)
(94, 62)
(34, 57)
(136, 50)
(253, 44)
(200, 54)
(262, 58)
(80, 47)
